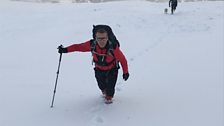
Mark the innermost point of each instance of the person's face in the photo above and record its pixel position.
(101, 39)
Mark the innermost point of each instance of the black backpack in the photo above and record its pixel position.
(112, 41)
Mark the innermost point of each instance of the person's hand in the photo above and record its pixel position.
(61, 49)
(126, 76)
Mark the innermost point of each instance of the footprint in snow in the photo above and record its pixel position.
(118, 89)
(96, 113)
(98, 119)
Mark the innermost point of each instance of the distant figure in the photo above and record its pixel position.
(165, 10)
(173, 5)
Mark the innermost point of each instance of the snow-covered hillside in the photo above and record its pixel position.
(99, 1)
(176, 64)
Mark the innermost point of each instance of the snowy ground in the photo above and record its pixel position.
(176, 65)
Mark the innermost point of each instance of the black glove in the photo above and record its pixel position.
(126, 76)
(61, 49)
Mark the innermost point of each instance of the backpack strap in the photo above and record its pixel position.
(110, 48)
(92, 45)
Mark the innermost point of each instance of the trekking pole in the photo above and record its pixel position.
(56, 80)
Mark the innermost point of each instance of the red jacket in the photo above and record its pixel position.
(119, 56)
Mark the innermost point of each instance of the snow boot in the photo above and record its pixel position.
(108, 99)
(103, 93)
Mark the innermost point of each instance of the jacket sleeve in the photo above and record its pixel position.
(121, 58)
(82, 47)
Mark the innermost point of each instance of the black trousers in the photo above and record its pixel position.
(106, 80)
(173, 7)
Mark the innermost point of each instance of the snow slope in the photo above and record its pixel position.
(176, 64)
